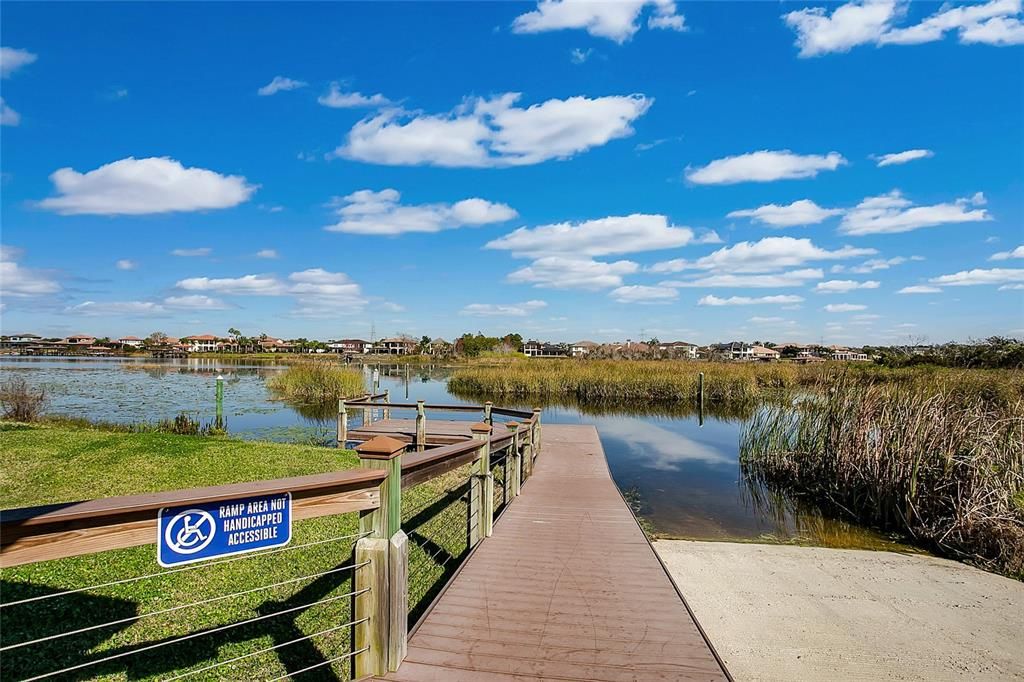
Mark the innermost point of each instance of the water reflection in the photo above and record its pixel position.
(681, 467)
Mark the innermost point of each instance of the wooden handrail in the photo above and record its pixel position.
(423, 466)
(56, 531)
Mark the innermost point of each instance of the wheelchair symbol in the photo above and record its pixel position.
(190, 531)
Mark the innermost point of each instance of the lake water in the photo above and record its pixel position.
(679, 471)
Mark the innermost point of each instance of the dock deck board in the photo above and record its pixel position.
(567, 588)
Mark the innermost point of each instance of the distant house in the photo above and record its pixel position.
(440, 346)
(396, 346)
(350, 346)
(19, 340)
(271, 345)
(848, 355)
(538, 349)
(764, 354)
(735, 350)
(679, 349)
(582, 349)
(202, 343)
(130, 341)
(79, 340)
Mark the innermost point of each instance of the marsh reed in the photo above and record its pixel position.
(941, 465)
(317, 381)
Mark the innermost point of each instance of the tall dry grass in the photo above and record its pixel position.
(724, 382)
(317, 381)
(941, 465)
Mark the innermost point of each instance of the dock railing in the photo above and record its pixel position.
(409, 516)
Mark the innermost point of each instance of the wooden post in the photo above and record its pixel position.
(385, 552)
(482, 432)
(367, 416)
(342, 424)
(514, 460)
(220, 401)
(488, 417)
(473, 516)
(700, 398)
(526, 439)
(386, 412)
(421, 425)
(536, 432)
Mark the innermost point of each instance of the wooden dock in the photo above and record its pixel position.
(567, 588)
(441, 431)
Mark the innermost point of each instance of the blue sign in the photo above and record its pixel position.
(216, 529)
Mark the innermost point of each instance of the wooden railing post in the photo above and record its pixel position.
(488, 417)
(367, 415)
(386, 412)
(342, 424)
(421, 425)
(514, 462)
(536, 431)
(485, 512)
(382, 559)
(527, 452)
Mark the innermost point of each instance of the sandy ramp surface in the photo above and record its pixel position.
(801, 613)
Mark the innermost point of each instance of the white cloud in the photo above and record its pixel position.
(899, 158)
(22, 282)
(192, 253)
(875, 264)
(12, 59)
(380, 213)
(267, 253)
(579, 56)
(565, 272)
(321, 293)
(844, 307)
(764, 166)
(1012, 287)
(891, 213)
(503, 309)
(644, 294)
(317, 292)
(126, 264)
(493, 132)
(8, 116)
(1007, 255)
(747, 300)
(115, 308)
(872, 21)
(792, 278)
(613, 20)
(802, 212)
(966, 278)
(195, 302)
(842, 286)
(140, 186)
(600, 237)
(280, 84)
(256, 285)
(919, 289)
(336, 99)
(766, 255)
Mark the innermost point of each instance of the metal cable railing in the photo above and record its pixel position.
(56, 633)
(436, 518)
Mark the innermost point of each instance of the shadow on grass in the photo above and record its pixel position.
(157, 657)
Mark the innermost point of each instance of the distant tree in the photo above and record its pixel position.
(424, 344)
(156, 339)
(234, 332)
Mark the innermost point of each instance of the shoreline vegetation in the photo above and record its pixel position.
(725, 383)
(317, 382)
(939, 464)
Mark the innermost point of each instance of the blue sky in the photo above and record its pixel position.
(699, 171)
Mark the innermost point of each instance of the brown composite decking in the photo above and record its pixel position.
(439, 431)
(567, 588)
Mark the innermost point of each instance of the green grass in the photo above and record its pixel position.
(317, 382)
(47, 463)
(729, 384)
